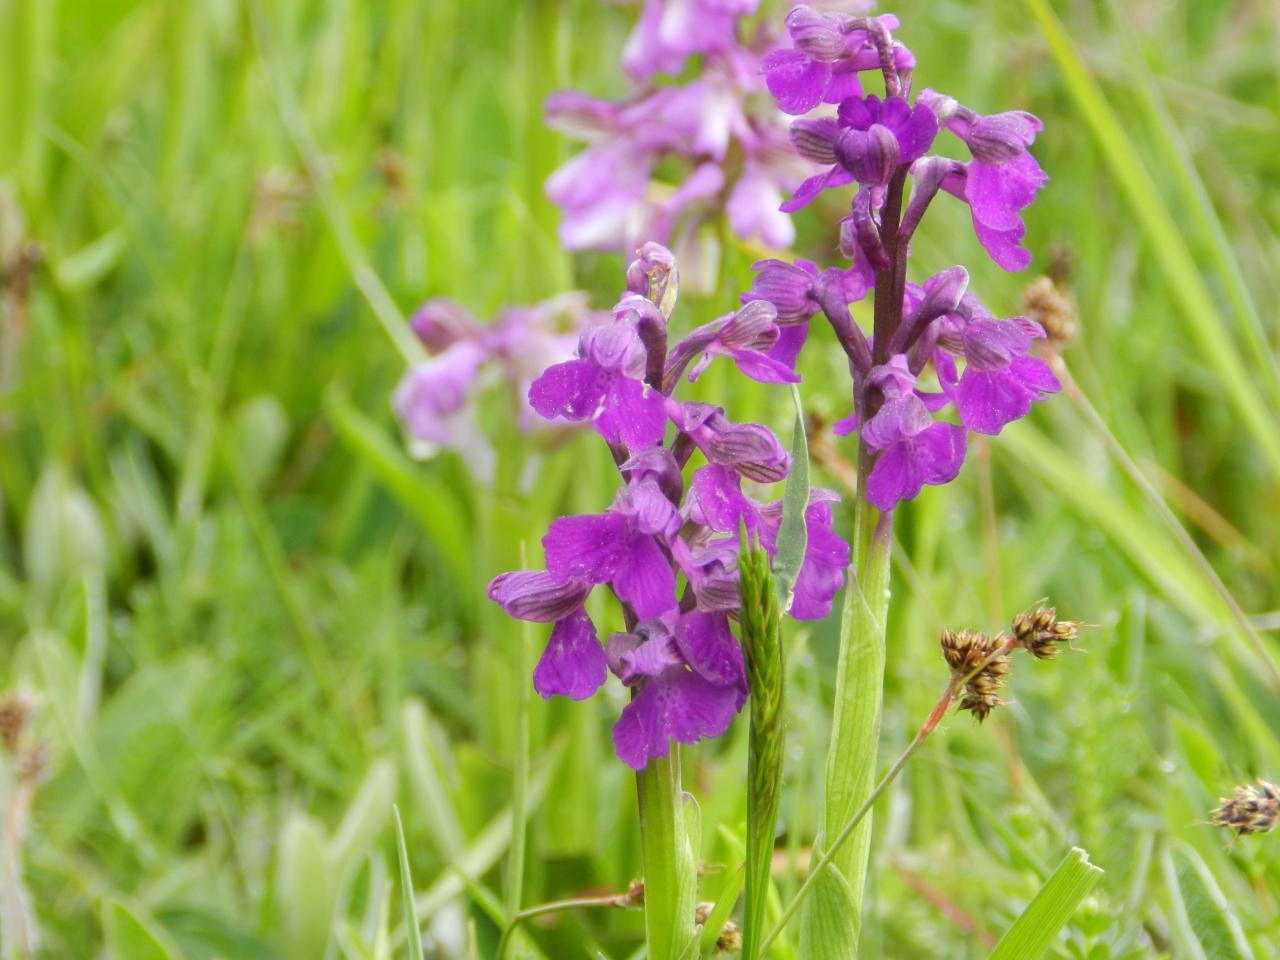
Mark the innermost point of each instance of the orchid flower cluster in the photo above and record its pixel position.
(434, 400)
(667, 551)
(726, 137)
(877, 144)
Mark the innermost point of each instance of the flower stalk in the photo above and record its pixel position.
(855, 728)
(666, 855)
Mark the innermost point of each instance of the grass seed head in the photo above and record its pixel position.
(1250, 809)
(1039, 632)
(1049, 305)
(965, 651)
(730, 939)
(15, 713)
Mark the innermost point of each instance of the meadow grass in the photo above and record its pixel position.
(251, 623)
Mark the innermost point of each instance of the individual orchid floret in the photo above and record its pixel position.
(653, 275)
(605, 384)
(914, 450)
(790, 287)
(622, 547)
(710, 564)
(1001, 379)
(746, 337)
(748, 448)
(996, 196)
(689, 682)
(573, 664)
(716, 500)
(1002, 178)
(829, 51)
(868, 143)
(670, 31)
(995, 140)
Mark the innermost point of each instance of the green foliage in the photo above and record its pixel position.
(251, 621)
(1049, 910)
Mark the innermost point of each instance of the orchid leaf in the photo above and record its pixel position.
(793, 538)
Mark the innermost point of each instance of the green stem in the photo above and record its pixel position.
(826, 859)
(670, 874)
(855, 732)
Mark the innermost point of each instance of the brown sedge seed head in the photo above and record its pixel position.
(965, 651)
(1039, 632)
(1251, 808)
(730, 939)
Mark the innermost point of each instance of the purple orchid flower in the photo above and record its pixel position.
(435, 399)
(868, 141)
(1001, 379)
(670, 31)
(717, 502)
(1002, 178)
(881, 144)
(689, 683)
(746, 337)
(678, 654)
(604, 385)
(829, 51)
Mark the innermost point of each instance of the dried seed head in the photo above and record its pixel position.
(966, 651)
(1049, 305)
(1040, 631)
(33, 763)
(15, 712)
(1250, 809)
(730, 939)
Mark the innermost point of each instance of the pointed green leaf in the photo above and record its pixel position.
(1203, 913)
(132, 936)
(1036, 929)
(829, 928)
(792, 536)
(411, 923)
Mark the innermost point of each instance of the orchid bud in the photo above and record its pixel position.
(653, 274)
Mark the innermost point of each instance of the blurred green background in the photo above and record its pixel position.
(249, 622)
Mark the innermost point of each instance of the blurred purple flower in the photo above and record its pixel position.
(612, 196)
(435, 400)
(670, 31)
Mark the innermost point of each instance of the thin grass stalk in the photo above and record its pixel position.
(520, 778)
(839, 845)
(1153, 496)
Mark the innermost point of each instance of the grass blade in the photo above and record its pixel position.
(1200, 908)
(1204, 321)
(411, 923)
(1035, 930)
(436, 509)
